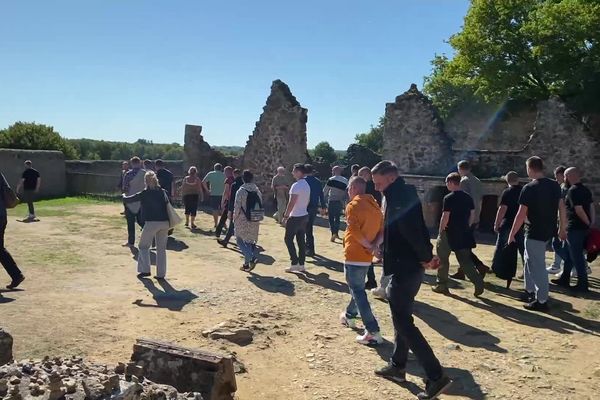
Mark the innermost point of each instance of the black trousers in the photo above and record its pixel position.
(402, 292)
(6, 259)
(131, 220)
(222, 221)
(310, 237)
(295, 228)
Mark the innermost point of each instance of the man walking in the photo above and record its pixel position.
(365, 173)
(364, 221)
(165, 178)
(316, 199)
(235, 186)
(407, 250)
(29, 187)
(580, 217)
(281, 187)
(560, 248)
(225, 200)
(539, 203)
(6, 259)
(124, 169)
(335, 196)
(133, 183)
(456, 236)
(296, 218)
(472, 186)
(214, 184)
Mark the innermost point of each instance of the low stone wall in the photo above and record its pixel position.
(50, 164)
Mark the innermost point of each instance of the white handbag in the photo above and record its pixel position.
(174, 218)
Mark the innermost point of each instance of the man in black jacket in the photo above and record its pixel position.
(6, 259)
(407, 251)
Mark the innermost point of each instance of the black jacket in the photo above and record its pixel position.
(154, 203)
(406, 238)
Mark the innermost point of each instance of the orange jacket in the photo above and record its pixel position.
(364, 220)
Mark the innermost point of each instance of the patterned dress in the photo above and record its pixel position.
(244, 229)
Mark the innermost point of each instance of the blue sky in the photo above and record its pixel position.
(129, 69)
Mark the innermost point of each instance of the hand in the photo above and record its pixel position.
(284, 220)
(511, 239)
(434, 263)
(496, 228)
(562, 234)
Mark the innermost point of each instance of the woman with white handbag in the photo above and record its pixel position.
(159, 217)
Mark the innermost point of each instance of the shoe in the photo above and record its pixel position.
(16, 282)
(222, 242)
(561, 282)
(536, 306)
(295, 268)
(194, 226)
(580, 289)
(370, 285)
(379, 293)
(434, 388)
(127, 244)
(441, 289)
(186, 224)
(478, 291)
(483, 270)
(245, 268)
(159, 278)
(333, 238)
(347, 322)
(143, 274)
(553, 269)
(310, 253)
(459, 275)
(392, 373)
(302, 268)
(252, 264)
(573, 273)
(369, 338)
(527, 297)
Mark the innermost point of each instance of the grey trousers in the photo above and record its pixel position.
(536, 276)
(151, 230)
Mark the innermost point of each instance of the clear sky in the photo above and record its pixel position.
(129, 69)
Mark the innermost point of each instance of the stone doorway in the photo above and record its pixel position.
(432, 207)
(489, 206)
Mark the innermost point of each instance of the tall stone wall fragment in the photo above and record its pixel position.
(198, 153)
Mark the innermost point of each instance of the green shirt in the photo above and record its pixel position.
(216, 182)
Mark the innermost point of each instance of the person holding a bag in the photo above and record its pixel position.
(247, 214)
(8, 199)
(154, 206)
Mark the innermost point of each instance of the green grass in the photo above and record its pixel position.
(592, 311)
(57, 207)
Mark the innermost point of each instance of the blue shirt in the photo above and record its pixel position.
(316, 193)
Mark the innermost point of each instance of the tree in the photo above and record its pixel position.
(325, 152)
(373, 139)
(32, 136)
(521, 50)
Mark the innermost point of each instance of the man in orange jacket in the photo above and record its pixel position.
(364, 220)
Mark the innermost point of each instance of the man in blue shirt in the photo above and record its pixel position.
(316, 198)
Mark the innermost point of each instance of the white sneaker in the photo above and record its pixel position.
(380, 293)
(553, 269)
(370, 338)
(302, 268)
(295, 268)
(573, 273)
(348, 322)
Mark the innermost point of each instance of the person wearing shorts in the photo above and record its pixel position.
(191, 188)
(214, 183)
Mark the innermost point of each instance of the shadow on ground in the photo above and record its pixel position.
(166, 296)
(272, 284)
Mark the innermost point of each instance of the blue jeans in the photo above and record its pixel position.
(536, 276)
(355, 277)
(248, 249)
(335, 212)
(576, 241)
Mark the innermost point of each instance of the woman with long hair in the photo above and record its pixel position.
(154, 202)
(246, 230)
(191, 190)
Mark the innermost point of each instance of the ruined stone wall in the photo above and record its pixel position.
(279, 138)
(414, 135)
(50, 164)
(198, 153)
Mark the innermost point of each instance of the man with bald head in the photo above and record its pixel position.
(281, 186)
(580, 217)
(335, 196)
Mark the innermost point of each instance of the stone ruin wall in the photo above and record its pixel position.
(198, 153)
(279, 138)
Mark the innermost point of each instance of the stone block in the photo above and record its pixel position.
(6, 347)
(187, 370)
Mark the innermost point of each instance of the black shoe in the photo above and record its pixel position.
(252, 264)
(16, 282)
(580, 289)
(392, 373)
(536, 306)
(310, 253)
(459, 275)
(222, 242)
(561, 282)
(434, 388)
(143, 275)
(370, 285)
(527, 297)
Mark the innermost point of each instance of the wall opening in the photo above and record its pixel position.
(489, 206)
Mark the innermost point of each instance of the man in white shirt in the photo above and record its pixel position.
(295, 219)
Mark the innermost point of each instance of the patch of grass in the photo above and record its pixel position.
(592, 311)
(57, 207)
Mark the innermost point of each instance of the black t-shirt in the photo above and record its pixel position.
(30, 177)
(541, 196)
(165, 179)
(578, 195)
(237, 184)
(460, 205)
(510, 199)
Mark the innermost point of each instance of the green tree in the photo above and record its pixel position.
(519, 49)
(373, 139)
(325, 152)
(32, 136)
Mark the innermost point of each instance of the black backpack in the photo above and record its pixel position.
(254, 210)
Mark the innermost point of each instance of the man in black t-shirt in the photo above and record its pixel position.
(540, 202)
(580, 216)
(165, 178)
(505, 257)
(29, 187)
(235, 186)
(456, 236)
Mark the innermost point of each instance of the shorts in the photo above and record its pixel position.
(215, 202)
(190, 201)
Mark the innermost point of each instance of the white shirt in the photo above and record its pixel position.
(302, 190)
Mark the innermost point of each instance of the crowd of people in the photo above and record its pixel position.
(384, 224)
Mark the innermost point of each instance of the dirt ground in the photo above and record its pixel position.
(82, 297)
